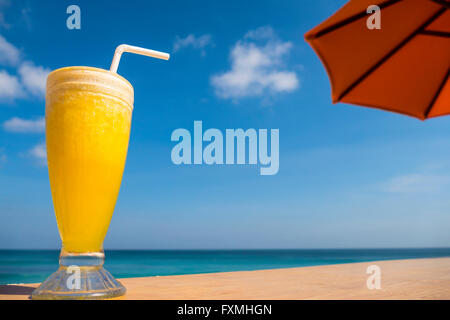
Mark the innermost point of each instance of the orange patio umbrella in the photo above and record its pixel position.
(403, 67)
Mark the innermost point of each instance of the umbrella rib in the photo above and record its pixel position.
(391, 53)
(443, 3)
(351, 19)
(438, 92)
(436, 33)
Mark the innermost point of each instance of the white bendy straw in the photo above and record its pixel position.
(127, 48)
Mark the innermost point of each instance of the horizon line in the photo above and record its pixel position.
(232, 249)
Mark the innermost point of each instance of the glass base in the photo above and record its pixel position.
(80, 276)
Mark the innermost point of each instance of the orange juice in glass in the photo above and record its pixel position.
(88, 120)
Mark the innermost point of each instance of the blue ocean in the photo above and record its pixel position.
(27, 266)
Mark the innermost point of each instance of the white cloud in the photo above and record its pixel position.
(416, 183)
(3, 5)
(192, 41)
(39, 152)
(34, 78)
(25, 126)
(9, 54)
(261, 33)
(25, 17)
(3, 156)
(3, 21)
(256, 67)
(10, 87)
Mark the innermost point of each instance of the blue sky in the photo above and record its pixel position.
(348, 177)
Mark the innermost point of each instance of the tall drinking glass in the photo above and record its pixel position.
(88, 118)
